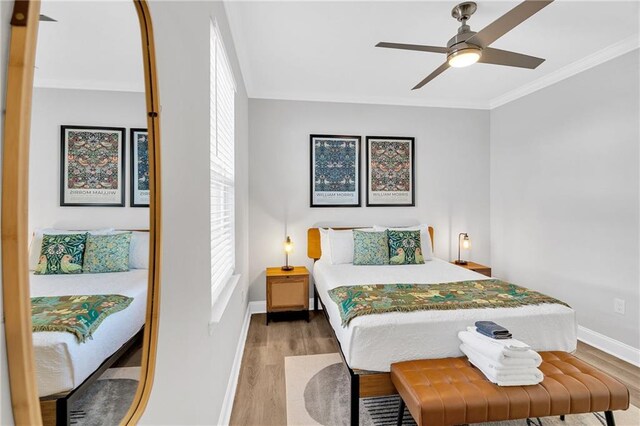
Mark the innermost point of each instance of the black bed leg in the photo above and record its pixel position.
(608, 415)
(562, 418)
(355, 400)
(62, 412)
(401, 412)
(315, 298)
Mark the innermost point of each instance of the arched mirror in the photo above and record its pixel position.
(80, 211)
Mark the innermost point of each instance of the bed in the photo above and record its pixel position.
(370, 344)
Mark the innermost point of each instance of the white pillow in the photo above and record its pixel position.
(138, 249)
(325, 246)
(36, 241)
(425, 238)
(341, 246)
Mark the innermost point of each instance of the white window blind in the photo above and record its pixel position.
(221, 115)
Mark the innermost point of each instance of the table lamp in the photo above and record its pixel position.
(463, 239)
(288, 248)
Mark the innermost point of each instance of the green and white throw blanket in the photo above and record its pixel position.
(357, 300)
(78, 315)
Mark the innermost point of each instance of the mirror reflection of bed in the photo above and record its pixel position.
(88, 211)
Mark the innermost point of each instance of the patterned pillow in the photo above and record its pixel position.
(107, 253)
(370, 248)
(61, 254)
(404, 247)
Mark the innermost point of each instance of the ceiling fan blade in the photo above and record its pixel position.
(419, 47)
(45, 18)
(442, 68)
(510, 59)
(507, 22)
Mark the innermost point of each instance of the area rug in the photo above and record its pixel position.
(317, 388)
(107, 401)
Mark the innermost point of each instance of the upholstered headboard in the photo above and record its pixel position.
(313, 241)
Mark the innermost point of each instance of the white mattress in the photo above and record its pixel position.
(374, 342)
(62, 363)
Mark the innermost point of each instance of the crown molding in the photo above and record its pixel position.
(239, 43)
(608, 53)
(372, 100)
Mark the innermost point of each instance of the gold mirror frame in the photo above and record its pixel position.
(15, 180)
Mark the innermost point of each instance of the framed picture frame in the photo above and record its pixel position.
(92, 166)
(139, 178)
(335, 170)
(390, 173)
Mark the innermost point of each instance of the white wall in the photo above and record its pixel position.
(193, 367)
(52, 108)
(565, 194)
(6, 414)
(452, 176)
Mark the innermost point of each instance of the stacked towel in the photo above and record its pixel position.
(506, 362)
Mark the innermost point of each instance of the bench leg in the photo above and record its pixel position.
(401, 412)
(608, 415)
(355, 400)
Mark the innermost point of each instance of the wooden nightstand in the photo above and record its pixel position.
(287, 291)
(476, 267)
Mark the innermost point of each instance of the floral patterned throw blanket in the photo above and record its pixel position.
(78, 315)
(357, 300)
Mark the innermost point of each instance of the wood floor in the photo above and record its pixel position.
(260, 396)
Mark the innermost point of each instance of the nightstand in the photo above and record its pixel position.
(287, 291)
(476, 267)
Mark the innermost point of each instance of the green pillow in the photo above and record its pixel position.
(404, 247)
(107, 253)
(370, 248)
(61, 254)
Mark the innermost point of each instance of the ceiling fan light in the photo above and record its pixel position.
(464, 57)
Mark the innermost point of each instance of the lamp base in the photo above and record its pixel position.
(460, 262)
(287, 268)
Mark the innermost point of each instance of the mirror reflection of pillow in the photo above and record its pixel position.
(61, 254)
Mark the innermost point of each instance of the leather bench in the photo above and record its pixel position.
(451, 391)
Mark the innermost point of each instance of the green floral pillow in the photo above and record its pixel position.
(404, 247)
(61, 254)
(107, 253)
(370, 248)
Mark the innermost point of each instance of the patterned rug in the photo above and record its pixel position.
(318, 394)
(107, 401)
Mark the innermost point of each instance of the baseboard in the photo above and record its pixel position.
(611, 346)
(227, 404)
(260, 306)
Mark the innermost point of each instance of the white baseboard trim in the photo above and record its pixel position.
(611, 346)
(260, 306)
(227, 404)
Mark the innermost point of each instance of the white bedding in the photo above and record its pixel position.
(62, 363)
(374, 342)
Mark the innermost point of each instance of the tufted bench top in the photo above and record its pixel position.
(451, 391)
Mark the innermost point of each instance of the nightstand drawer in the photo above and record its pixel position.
(286, 294)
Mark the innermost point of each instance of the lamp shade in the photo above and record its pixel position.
(466, 243)
(288, 245)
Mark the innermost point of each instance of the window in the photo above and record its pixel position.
(221, 115)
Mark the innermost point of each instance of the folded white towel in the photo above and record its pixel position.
(496, 352)
(509, 379)
(500, 373)
(507, 364)
(511, 344)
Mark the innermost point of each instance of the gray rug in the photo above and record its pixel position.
(105, 403)
(318, 393)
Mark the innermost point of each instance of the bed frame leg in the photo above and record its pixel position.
(608, 415)
(62, 412)
(562, 418)
(315, 298)
(355, 400)
(401, 412)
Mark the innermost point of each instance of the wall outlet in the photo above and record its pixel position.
(618, 306)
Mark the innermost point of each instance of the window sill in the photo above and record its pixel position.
(222, 301)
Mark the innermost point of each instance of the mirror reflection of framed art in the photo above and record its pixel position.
(139, 142)
(92, 172)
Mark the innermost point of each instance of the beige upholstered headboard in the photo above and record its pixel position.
(313, 241)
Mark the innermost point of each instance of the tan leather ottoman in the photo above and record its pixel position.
(451, 391)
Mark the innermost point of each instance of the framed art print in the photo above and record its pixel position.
(92, 166)
(139, 142)
(390, 171)
(335, 171)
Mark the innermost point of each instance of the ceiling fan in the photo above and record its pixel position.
(468, 47)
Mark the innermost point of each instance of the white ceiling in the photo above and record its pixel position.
(94, 45)
(325, 51)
